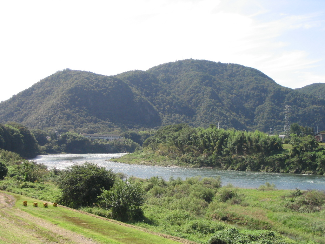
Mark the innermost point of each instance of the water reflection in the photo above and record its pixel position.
(236, 178)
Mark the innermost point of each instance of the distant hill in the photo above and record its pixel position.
(196, 92)
(317, 89)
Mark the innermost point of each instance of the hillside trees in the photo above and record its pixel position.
(17, 138)
(299, 130)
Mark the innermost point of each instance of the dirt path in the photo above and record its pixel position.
(31, 229)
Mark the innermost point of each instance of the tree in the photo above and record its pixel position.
(125, 199)
(82, 184)
(3, 170)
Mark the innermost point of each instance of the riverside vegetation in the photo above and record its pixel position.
(183, 145)
(197, 209)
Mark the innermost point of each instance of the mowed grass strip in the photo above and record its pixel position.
(98, 229)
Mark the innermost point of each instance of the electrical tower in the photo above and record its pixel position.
(286, 121)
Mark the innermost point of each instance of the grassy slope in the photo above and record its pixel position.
(95, 228)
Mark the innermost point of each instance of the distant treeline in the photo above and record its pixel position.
(71, 142)
(27, 143)
(237, 150)
(185, 145)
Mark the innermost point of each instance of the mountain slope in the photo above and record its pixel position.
(75, 100)
(197, 92)
(317, 89)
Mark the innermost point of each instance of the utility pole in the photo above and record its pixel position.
(286, 120)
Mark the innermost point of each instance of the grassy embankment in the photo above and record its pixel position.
(192, 210)
(17, 226)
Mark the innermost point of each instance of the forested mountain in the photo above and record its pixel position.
(317, 89)
(196, 92)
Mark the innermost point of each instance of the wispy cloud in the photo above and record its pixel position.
(109, 37)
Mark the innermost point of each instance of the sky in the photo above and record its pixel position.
(282, 38)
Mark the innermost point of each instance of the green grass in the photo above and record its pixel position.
(96, 228)
(247, 210)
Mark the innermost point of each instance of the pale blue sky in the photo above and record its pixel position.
(282, 38)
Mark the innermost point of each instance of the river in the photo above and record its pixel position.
(237, 178)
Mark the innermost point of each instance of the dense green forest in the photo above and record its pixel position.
(27, 143)
(232, 150)
(317, 89)
(17, 138)
(196, 92)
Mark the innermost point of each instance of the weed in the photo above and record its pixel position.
(308, 201)
(267, 187)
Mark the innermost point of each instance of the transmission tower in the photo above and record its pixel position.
(286, 120)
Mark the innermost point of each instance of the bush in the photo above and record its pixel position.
(226, 194)
(233, 235)
(267, 187)
(82, 184)
(29, 171)
(3, 170)
(308, 201)
(125, 199)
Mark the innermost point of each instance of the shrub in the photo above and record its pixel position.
(308, 201)
(28, 171)
(125, 199)
(267, 187)
(226, 194)
(201, 192)
(233, 235)
(203, 227)
(211, 182)
(178, 217)
(82, 184)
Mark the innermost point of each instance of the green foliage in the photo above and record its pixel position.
(226, 194)
(82, 184)
(298, 130)
(183, 145)
(17, 138)
(71, 142)
(125, 199)
(267, 187)
(308, 201)
(316, 89)
(28, 171)
(138, 137)
(3, 170)
(234, 236)
(41, 137)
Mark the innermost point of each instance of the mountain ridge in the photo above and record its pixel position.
(197, 92)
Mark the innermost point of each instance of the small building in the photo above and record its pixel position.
(320, 137)
(109, 137)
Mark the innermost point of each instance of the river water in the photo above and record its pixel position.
(237, 178)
